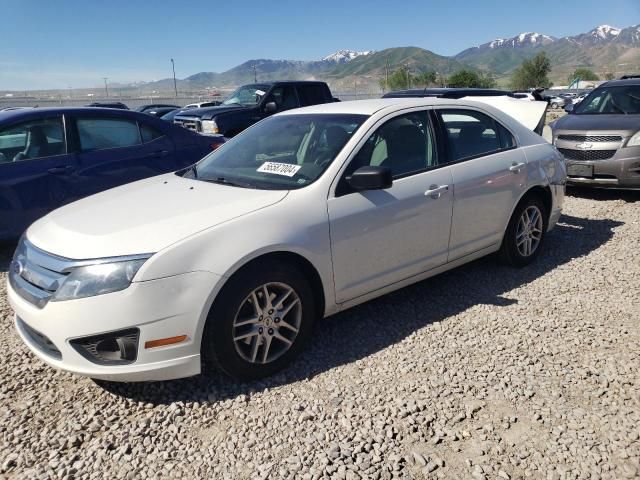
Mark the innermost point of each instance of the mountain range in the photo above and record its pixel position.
(604, 49)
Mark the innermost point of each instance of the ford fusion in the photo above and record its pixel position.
(228, 264)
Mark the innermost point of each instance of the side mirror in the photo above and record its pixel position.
(569, 108)
(270, 107)
(371, 178)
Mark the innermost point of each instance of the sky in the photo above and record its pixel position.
(46, 44)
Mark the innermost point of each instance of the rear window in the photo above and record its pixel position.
(103, 133)
(311, 94)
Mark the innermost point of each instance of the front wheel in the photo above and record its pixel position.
(260, 321)
(525, 233)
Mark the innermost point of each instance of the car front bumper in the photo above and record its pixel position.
(620, 171)
(158, 309)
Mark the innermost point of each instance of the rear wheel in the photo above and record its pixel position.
(525, 233)
(260, 321)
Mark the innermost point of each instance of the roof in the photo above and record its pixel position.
(621, 82)
(39, 112)
(369, 107)
(447, 92)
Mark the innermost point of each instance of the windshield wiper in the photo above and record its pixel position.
(224, 181)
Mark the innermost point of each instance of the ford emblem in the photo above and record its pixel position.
(584, 146)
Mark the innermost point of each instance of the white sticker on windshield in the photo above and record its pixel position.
(286, 169)
(260, 92)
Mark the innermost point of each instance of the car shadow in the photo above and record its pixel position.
(364, 330)
(603, 194)
(6, 252)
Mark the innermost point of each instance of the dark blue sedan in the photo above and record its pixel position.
(50, 157)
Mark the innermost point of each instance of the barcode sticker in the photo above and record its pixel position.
(286, 169)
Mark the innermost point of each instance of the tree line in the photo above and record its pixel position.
(532, 73)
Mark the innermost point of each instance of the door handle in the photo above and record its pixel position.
(516, 167)
(436, 191)
(159, 153)
(60, 170)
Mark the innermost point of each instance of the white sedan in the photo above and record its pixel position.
(229, 263)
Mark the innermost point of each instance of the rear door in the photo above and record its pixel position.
(489, 173)
(36, 172)
(114, 150)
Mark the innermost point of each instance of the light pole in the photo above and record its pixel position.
(106, 89)
(255, 74)
(175, 86)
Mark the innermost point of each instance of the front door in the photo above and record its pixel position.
(384, 236)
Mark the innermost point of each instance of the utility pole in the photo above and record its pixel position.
(255, 74)
(106, 88)
(386, 71)
(175, 86)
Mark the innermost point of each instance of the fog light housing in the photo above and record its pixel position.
(112, 348)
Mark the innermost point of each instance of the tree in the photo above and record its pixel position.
(471, 79)
(532, 73)
(583, 74)
(402, 79)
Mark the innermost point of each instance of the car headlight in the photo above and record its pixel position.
(98, 279)
(634, 141)
(210, 127)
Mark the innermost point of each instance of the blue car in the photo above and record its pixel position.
(50, 157)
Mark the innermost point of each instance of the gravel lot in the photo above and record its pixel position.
(485, 372)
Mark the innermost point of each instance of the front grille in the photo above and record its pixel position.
(587, 154)
(41, 341)
(590, 138)
(36, 275)
(192, 124)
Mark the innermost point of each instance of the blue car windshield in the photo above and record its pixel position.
(280, 153)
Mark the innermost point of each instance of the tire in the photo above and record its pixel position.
(523, 240)
(237, 335)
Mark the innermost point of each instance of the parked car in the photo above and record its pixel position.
(52, 156)
(161, 111)
(600, 139)
(312, 211)
(559, 102)
(251, 103)
(155, 106)
(117, 105)
(524, 96)
(213, 103)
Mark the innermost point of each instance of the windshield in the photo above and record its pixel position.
(279, 153)
(247, 95)
(622, 100)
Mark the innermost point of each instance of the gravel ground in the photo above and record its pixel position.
(485, 372)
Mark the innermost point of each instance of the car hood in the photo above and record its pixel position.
(210, 112)
(143, 217)
(598, 122)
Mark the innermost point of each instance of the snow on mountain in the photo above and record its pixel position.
(526, 39)
(605, 32)
(344, 56)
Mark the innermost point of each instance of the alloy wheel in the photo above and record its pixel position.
(267, 323)
(529, 231)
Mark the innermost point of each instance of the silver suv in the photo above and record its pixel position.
(600, 138)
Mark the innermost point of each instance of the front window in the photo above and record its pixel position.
(248, 95)
(280, 153)
(621, 100)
